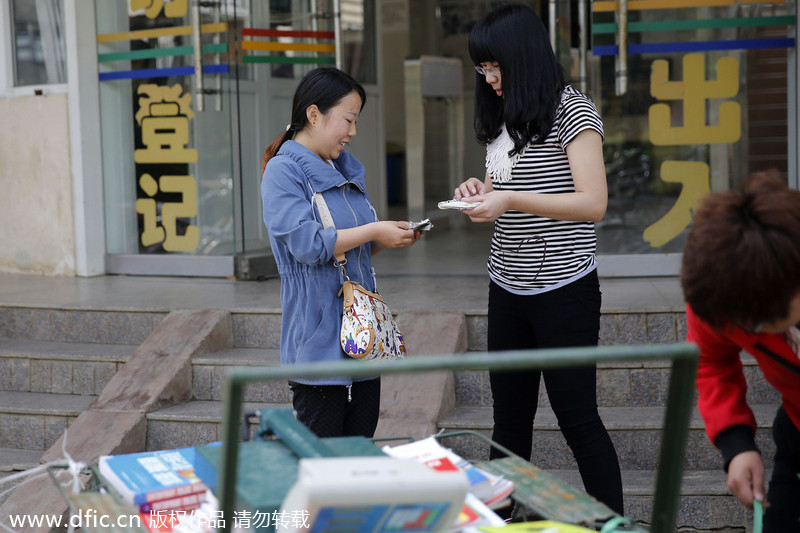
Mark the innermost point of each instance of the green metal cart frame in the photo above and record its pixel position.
(680, 400)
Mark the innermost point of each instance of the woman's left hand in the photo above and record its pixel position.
(490, 206)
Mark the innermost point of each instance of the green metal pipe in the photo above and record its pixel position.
(676, 425)
(680, 400)
(510, 360)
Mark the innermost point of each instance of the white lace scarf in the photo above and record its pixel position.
(498, 163)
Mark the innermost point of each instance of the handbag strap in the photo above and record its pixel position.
(327, 222)
(326, 219)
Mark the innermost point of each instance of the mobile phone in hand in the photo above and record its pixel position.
(457, 204)
(422, 225)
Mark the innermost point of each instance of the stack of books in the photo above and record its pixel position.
(487, 491)
(155, 481)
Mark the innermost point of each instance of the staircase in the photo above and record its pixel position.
(199, 421)
(55, 362)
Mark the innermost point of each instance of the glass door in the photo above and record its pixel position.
(166, 119)
(279, 42)
(191, 93)
(694, 96)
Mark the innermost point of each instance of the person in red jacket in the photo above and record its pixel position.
(741, 281)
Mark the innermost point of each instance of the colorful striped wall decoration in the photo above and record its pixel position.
(691, 24)
(288, 52)
(152, 53)
(639, 5)
(695, 46)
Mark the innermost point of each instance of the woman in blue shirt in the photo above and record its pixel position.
(310, 158)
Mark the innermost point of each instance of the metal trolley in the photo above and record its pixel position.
(533, 486)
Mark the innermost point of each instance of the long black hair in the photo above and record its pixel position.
(324, 87)
(514, 37)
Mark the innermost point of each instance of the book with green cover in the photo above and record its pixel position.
(266, 470)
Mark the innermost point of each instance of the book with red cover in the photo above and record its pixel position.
(179, 503)
(490, 489)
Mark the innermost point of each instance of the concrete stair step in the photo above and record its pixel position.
(261, 328)
(636, 432)
(240, 357)
(193, 423)
(209, 370)
(59, 367)
(34, 349)
(97, 324)
(92, 324)
(257, 329)
(34, 421)
(618, 385)
(641, 322)
(15, 460)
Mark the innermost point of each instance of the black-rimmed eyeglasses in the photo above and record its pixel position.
(483, 71)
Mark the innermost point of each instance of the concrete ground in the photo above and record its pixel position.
(444, 271)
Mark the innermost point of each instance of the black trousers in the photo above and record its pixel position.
(568, 316)
(338, 410)
(783, 495)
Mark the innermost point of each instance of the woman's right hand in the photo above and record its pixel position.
(746, 478)
(382, 234)
(471, 187)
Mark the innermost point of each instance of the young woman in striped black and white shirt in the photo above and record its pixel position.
(544, 188)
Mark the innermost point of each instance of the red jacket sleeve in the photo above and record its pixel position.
(721, 384)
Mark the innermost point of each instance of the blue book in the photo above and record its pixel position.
(143, 478)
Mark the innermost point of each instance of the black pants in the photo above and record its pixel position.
(568, 316)
(783, 514)
(338, 410)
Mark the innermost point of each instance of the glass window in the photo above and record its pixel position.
(301, 36)
(703, 104)
(358, 40)
(38, 35)
(167, 159)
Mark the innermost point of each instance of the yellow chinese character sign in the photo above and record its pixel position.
(164, 114)
(153, 8)
(167, 232)
(694, 177)
(694, 92)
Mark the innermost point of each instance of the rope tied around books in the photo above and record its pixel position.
(72, 468)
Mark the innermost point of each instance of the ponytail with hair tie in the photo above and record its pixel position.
(273, 148)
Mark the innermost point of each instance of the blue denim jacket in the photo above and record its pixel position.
(303, 248)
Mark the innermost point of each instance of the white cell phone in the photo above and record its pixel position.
(457, 204)
(422, 225)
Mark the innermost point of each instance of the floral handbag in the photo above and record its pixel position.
(368, 330)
